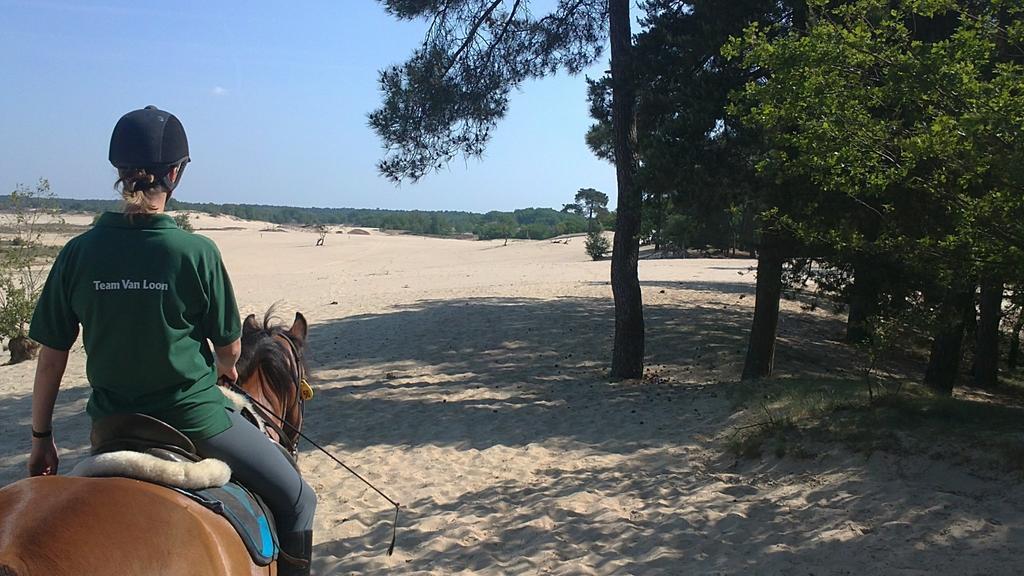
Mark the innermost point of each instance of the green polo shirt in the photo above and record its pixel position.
(148, 295)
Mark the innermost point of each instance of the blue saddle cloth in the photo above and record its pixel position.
(247, 513)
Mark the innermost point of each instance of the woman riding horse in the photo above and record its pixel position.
(148, 296)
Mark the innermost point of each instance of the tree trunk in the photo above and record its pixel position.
(1014, 353)
(659, 219)
(947, 344)
(863, 301)
(761, 348)
(628, 352)
(986, 350)
(868, 276)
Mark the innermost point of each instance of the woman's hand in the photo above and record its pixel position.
(227, 373)
(227, 356)
(43, 460)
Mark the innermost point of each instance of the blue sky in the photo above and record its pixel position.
(274, 98)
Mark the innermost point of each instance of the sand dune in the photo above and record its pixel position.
(467, 380)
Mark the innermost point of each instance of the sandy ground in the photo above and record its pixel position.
(468, 381)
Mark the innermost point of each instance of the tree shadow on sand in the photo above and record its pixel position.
(692, 517)
(465, 368)
(16, 418)
(481, 373)
(459, 368)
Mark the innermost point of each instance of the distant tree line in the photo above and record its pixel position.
(13, 202)
(526, 223)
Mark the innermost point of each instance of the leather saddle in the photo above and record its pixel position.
(243, 509)
(141, 433)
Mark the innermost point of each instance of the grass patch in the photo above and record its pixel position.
(793, 417)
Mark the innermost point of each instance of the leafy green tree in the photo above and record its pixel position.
(901, 115)
(447, 98)
(593, 204)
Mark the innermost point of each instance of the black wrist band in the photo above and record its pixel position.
(46, 434)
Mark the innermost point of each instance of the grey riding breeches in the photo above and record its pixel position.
(258, 464)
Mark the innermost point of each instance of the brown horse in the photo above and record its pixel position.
(63, 526)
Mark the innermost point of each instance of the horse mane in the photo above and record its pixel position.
(260, 351)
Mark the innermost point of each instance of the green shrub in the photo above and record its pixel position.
(183, 222)
(597, 245)
(24, 260)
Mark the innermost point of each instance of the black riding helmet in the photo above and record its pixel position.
(150, 138)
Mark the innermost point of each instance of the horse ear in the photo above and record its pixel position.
(250, 325)
(299, 327)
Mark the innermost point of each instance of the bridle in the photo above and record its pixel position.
(303, 392)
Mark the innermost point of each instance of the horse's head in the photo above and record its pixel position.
(272, 369)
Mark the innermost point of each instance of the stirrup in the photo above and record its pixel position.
(288, 558)
(299, 543)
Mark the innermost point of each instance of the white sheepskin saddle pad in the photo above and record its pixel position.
(206, 473)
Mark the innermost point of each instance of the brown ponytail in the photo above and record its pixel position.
(138, 187)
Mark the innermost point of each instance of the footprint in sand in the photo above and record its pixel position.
(738, 490)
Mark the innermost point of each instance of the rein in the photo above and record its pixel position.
(305, 392)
